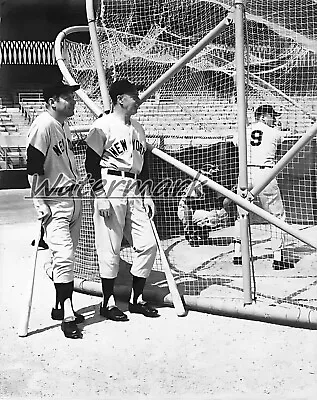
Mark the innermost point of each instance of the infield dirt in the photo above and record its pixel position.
(200, 356)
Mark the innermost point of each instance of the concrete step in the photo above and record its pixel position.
(6, 98)
(19, 120)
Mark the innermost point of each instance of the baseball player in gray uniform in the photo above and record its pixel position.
(53, 179)
(115, 155)
(262, 141)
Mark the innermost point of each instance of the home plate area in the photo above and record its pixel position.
(207, 270)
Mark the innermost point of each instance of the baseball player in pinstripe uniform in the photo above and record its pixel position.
(53, 178)
(115, 153)
(262, 141)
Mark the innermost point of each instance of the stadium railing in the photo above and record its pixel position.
(6, 124)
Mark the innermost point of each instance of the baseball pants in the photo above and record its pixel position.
(62, 235)
(129, 219)
(271, 201)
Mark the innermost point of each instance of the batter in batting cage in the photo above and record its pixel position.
(114, 159)
(54, 182)
(263, 140)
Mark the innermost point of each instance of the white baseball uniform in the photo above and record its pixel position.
(262, 142)
(121, 148)
(49, 151)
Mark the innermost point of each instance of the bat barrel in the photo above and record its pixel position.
(27, 305)
(176, 298)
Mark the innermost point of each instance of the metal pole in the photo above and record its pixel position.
(242, 122)
(186, 57)
(62, 66)
(98, 60)
(298, 317)
(191, 172)
(245, 204)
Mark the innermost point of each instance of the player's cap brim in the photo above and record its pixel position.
(139, 87)
(266, 109)
(124, 86)
(73, 88)
(58, 89)
(277, 114)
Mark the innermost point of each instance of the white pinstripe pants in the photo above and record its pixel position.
(129, 219)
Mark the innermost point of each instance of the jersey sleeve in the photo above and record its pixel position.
(39, 138)
(96, 140)
(34, 161)
(144, 175)
(92, 165)
(37, 145)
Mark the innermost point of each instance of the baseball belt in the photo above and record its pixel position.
(261, 166)
(124, 174)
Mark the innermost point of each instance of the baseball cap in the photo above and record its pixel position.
(57, 89)
(266, 109)
(123, 86)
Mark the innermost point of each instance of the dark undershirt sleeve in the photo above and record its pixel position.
(93, 169)
(35, 161)
(144, 174)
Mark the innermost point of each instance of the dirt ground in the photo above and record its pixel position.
(200, 356)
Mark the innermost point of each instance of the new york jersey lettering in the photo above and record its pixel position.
(59, 148)
(118, 148)
(138, 146)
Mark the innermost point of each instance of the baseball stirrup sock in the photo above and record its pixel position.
(63, 291)
(107, 290)
(137, 287)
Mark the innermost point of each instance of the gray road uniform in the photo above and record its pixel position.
(49, 151)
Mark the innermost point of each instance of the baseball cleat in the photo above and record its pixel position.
(58, 315)
(144, 309)
(114, 314)
(71, 330)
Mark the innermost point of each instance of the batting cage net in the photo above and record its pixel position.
(193, 118)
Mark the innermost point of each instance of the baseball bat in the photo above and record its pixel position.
(26, 307)
(176, 298)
